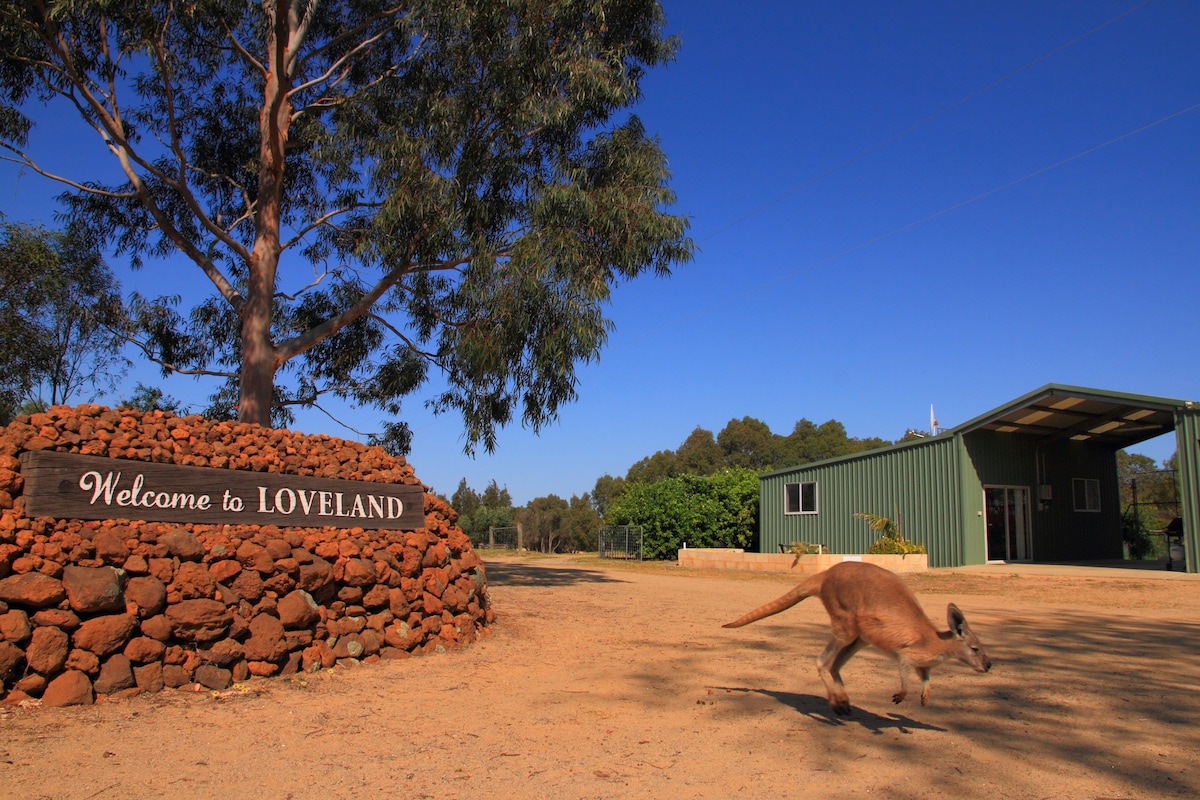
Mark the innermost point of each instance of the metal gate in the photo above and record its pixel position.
(621, 541)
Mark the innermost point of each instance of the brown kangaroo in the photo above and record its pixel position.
(868, 605)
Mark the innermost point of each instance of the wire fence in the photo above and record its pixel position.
(621, 541)
(508, 538)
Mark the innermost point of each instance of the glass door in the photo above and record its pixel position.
(1009, 537)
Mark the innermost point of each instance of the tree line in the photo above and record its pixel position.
(704, 493)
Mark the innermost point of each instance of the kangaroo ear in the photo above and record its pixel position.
(956, 620)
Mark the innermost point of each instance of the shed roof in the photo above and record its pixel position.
(1056, 412)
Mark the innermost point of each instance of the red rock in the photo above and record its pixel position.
(248, 586)
(262, 669)
(136, 565)
(148, 594)
(182, 544)
(157, 627)
(162, 568)
(398, 602)
(173, 675)
(12, 659)
(348, 646)
(317, 656)
(72, 688)
(432, 605)
(280, 584)
(298, 610)
(255, 557)
(436, 556)
(266, 642)
(104, 635)
(358, 572)
(32, 684)
(83, 661)
(32, 589)
(315, 574)
(225, 569)
(213, 677)
(110, 547)
(57, 618)
(223, 653)
(193, 580)
(94, 590)
(454, 599)
(116, 673)
(14, 626)
(47, 650)
(149, 677)
(278, 549)
(143, 649)
(376, 596)
(199, 620)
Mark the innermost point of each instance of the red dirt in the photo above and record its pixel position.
(605, 680)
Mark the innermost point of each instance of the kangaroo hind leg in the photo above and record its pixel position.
(829, 667)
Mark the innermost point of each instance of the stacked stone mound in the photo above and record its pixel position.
(106, 607)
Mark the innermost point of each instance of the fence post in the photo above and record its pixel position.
(520, 538)
(491, 537)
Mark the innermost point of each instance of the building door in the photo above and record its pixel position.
(1009, 537)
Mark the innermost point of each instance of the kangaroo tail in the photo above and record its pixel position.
(806, 589)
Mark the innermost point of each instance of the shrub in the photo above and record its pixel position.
(891, 541)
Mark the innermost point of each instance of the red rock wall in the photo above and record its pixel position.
(95, 608)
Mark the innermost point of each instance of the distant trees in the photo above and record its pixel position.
(749, 443)
(704, 493)
(1151, 485)
(60, 319)
(553, 525)
(478, 512)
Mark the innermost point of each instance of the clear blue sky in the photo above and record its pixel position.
(896, 205)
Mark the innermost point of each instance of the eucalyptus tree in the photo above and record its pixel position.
(379, 191)
(60, 320)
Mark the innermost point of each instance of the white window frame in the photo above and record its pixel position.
(1087, 490)
(800, 493)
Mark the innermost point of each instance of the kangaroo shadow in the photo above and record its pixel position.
(817, 709)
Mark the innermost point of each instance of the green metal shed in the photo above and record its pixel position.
(1032, 480)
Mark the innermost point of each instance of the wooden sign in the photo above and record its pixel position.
(70, 486)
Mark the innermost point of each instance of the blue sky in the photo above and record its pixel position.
(896, 205)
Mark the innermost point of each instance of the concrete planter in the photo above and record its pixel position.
(737, 560)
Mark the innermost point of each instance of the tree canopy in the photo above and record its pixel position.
(378, 191)
(59, 318)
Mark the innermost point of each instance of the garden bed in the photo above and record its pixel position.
(736, 559)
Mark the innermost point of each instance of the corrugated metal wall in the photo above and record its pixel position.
(918, 481)
(1187, 440)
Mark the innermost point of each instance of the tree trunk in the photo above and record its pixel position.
(256, 390)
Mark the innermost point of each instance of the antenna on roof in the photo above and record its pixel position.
(933, 425)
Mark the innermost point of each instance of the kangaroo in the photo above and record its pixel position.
(868, 605)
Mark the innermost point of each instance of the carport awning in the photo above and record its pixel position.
(1057, 412)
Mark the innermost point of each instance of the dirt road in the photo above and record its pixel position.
(602, 681)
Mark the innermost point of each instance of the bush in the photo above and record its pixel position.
(892, 542)
(894, 545)
(719, 510)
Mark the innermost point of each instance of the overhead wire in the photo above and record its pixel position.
(729, 299)
(922, 123)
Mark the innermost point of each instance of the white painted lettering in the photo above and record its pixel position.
(91, 481)
(285, 500)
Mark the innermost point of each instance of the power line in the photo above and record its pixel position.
(922, 123)
(728, 300)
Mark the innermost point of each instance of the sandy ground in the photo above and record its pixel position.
(613, 681)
